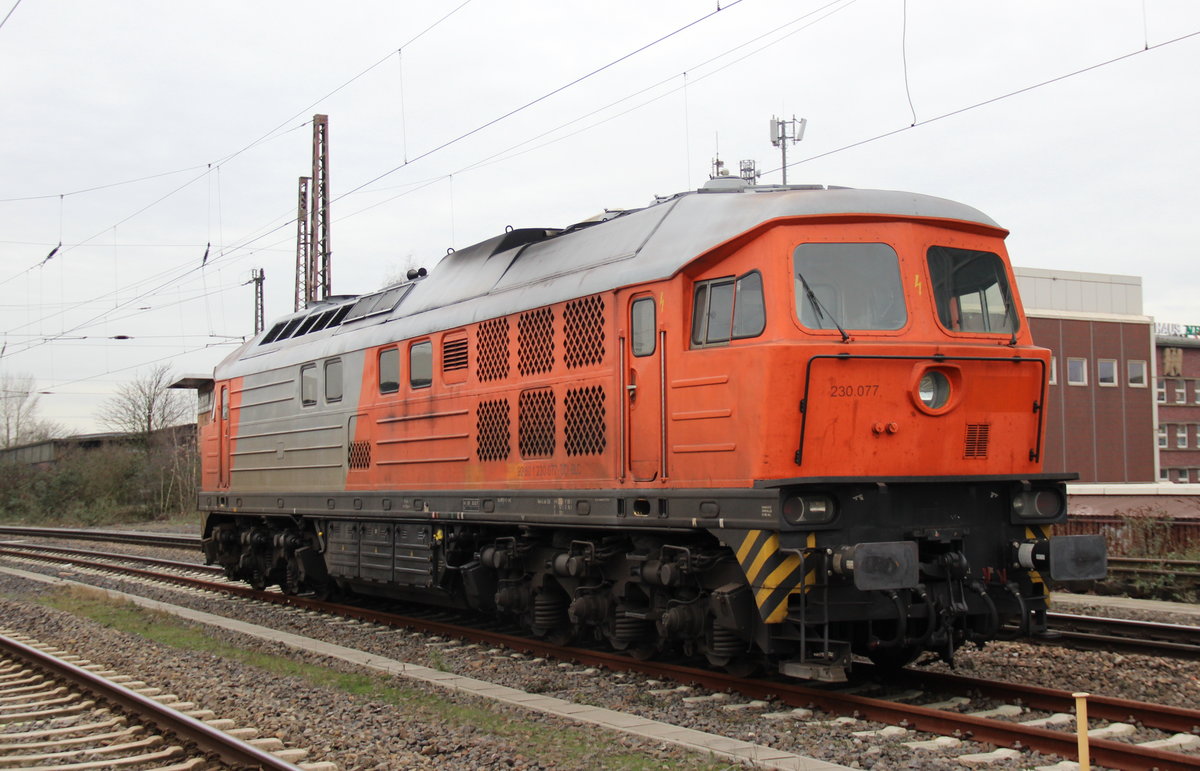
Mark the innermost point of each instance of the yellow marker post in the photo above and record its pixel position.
(1081, 730)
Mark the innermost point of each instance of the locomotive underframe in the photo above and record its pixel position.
(902, 567)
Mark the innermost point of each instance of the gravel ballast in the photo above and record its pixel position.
(371, 735)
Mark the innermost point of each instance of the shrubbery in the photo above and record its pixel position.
(115, 483)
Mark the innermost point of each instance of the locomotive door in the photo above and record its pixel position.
(644, 394)
(223, 458)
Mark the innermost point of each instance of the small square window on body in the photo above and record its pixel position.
(1136, 374)
(308, 385)
(333, 380)
(389, 370)
(420, 365)
(1053, 370)
(1076, 371)
(1106, 372)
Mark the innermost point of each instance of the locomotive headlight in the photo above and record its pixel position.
(933, 389)
(1039, 505)
(808, 509)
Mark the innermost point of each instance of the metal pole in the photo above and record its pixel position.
(783, 148)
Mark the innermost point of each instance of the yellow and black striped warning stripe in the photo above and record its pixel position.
(773, 574)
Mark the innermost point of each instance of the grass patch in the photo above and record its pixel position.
(565, 744)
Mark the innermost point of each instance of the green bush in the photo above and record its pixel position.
(114, 483)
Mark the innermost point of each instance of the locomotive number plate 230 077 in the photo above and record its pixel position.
(840, 390)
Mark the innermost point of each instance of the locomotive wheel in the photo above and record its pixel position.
(257, 580)
(642, 650)
(291, 579)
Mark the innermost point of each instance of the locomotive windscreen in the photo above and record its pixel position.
(856, 285)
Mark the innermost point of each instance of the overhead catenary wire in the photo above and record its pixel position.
(993, 100)
(222, 253)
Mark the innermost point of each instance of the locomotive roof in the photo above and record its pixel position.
(528, 268)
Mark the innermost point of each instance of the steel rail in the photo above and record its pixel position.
(112, 536)
(1107, 634)
(996, 732)
(205, 737)
(1162, 717)
(157, 561)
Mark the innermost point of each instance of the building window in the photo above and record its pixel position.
(1076, 371)
(1136, 374)
(1196, 428)
(1181, 392)
(1164, 475)
(1196, 390)
(1053, 370)
(1106, 372)
(1161, 385)
(1183, 477)
(1162, 436)
(308, 385)
(1181, 439)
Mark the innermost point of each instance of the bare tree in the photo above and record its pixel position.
(18, 413)
(146, 404)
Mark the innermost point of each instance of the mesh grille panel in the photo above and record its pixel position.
(583, 329)
(536, 423)
(584, 433)
(535, 342)
(492, 430)
(359, 455)
(491, 343)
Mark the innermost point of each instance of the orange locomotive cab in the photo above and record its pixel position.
(901, 417)
(765, 425)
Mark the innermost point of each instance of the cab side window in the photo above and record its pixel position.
(727, 309)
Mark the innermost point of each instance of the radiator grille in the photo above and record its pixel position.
(454, 355)
(976, 444)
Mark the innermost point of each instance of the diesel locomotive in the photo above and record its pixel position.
(771, 426)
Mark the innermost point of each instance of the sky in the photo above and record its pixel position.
(138, 135)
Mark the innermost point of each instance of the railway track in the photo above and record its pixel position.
(59, 712)
(941, 720)
(1069, 629)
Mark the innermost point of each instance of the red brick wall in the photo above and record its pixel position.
(1103, 433)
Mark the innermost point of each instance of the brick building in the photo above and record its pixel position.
(1100, 413)
(1178, 397)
